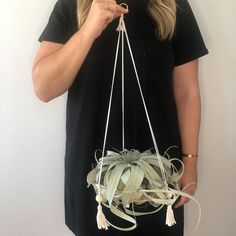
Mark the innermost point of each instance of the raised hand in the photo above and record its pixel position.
(101, 13)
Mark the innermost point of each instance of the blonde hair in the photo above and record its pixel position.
(163, 12)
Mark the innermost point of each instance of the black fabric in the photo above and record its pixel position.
(62, 22)
(88, 101)
(188, 44)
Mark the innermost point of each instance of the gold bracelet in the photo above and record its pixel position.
(190, 155)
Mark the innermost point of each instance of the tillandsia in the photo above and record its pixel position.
(130, 178)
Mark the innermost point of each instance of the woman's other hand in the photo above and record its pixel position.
(188, 182)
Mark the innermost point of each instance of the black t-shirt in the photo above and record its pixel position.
(88, 102)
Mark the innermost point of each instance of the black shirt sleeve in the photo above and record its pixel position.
(188, 43)
(62, 22)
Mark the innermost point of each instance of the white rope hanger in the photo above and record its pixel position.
(120, 179)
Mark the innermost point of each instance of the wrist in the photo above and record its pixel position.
(190, 164)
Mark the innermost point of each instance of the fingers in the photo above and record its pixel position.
(109, 17)
(190, 189)
(110, 5)
(101, 13)
(181, 202)
(121, 10)
(113, 11)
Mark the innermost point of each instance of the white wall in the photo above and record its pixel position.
(32, 134)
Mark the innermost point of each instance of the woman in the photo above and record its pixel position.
(77, 55)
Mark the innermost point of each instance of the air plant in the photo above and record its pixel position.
(130, 178)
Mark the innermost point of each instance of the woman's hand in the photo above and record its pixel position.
(188, 180)
(101, 13)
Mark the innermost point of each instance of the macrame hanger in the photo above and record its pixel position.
(101, 220)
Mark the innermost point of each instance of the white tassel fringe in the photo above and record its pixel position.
(170, 218)
(101, 219)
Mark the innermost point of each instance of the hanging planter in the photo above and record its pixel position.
(125, 179)
(131, 177)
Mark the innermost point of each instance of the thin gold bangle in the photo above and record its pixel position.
(190, 155)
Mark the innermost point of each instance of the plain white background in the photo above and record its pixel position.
(32, 134)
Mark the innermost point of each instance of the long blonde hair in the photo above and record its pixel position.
(163, 13)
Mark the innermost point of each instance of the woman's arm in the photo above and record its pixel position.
(187, 96)
(56, 65)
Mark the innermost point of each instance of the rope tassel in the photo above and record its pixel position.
(170, 218)
(101, 219)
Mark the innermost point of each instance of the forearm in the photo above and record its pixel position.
(188, 104)
(189, 111)
(54, 74)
